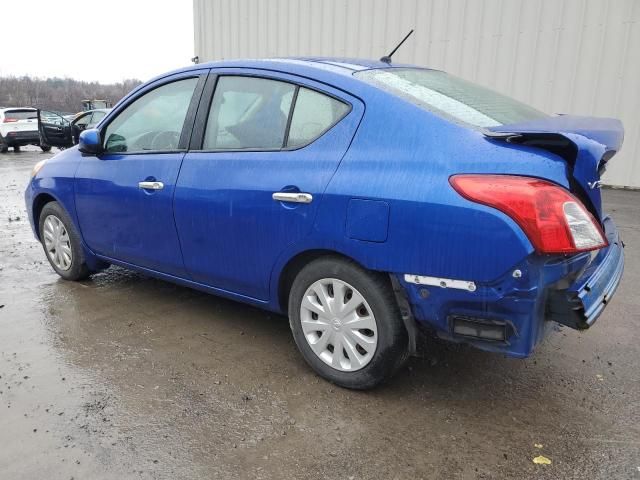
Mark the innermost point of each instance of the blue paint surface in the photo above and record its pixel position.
(367, 220)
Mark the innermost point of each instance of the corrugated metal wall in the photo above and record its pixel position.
(562, 56)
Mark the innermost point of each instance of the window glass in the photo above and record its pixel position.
(97, 116)
(451, 96)
(248, 112)
(26, 114)
(83, 120)
(153, 122)
(313, 114)
(52, 118)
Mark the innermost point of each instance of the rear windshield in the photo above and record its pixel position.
(451, 97)
(20, 114)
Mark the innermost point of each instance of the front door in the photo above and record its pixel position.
(124, 196)
(252, 181)
(54, 129)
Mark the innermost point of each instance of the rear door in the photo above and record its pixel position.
(124, 196)
(263, 150)
(54, 129)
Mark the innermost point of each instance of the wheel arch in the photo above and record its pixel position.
(293, 266)
(296, 263)
(38, 204)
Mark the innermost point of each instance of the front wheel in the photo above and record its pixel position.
(61, 243)
(346, 322)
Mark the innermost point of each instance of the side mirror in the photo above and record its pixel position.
(90, 142)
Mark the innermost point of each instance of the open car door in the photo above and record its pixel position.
(54, 129)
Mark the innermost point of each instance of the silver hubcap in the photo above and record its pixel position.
(339, 324)
(57, 243)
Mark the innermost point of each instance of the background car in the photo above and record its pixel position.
(18, 127)
(58, 131)
(366, 201)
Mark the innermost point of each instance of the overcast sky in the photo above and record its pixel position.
(105, 41)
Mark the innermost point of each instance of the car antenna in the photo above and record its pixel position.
(387, 59)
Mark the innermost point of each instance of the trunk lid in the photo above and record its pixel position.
(20, 119)
(586, 143)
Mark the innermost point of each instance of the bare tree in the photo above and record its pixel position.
(59, 94)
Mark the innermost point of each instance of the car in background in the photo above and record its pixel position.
(362, 199)
(58, 131)
(18, 127)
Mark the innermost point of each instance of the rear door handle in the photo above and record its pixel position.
(294, 197)
(151, 185)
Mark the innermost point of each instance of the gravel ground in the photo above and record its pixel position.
(124, 376)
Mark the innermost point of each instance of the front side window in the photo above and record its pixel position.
(52, 118)
(97, 116)
(248, 113)
(152, 122)
(450, 96)
(83, 120)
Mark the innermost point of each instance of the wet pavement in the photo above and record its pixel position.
(123, 376)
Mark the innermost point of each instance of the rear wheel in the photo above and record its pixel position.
(45, 148)
(16, 148)
(61, 243)
(346, 322)
(4, 148)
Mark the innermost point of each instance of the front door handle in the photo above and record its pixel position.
(151, 185)
(295, 197)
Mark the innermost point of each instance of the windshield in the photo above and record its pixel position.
(450, 96)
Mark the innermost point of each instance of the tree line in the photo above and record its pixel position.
(59, 94)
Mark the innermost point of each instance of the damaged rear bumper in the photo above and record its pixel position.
(580, 305)
(511, 315)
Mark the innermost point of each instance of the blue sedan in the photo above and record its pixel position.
(367, 201)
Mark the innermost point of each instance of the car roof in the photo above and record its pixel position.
(336, 65)
(334, 71)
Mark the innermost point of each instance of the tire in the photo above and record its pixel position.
(45, 148)
(366, 365)
(16, 148)
(4, 148)
(76, 268)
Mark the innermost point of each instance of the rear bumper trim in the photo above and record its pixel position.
(581, 304)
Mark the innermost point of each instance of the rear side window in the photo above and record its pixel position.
(314, 114)
(153, 122)
(451, 97)
(263, 114)
(16, 115)
(248, 113)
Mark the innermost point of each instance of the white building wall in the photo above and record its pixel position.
(561, 56)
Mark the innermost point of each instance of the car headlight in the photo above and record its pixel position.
(37, 167)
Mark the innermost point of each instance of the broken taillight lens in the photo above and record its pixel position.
(553, 219)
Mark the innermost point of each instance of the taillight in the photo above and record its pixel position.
(552, 218)
(9, 120)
